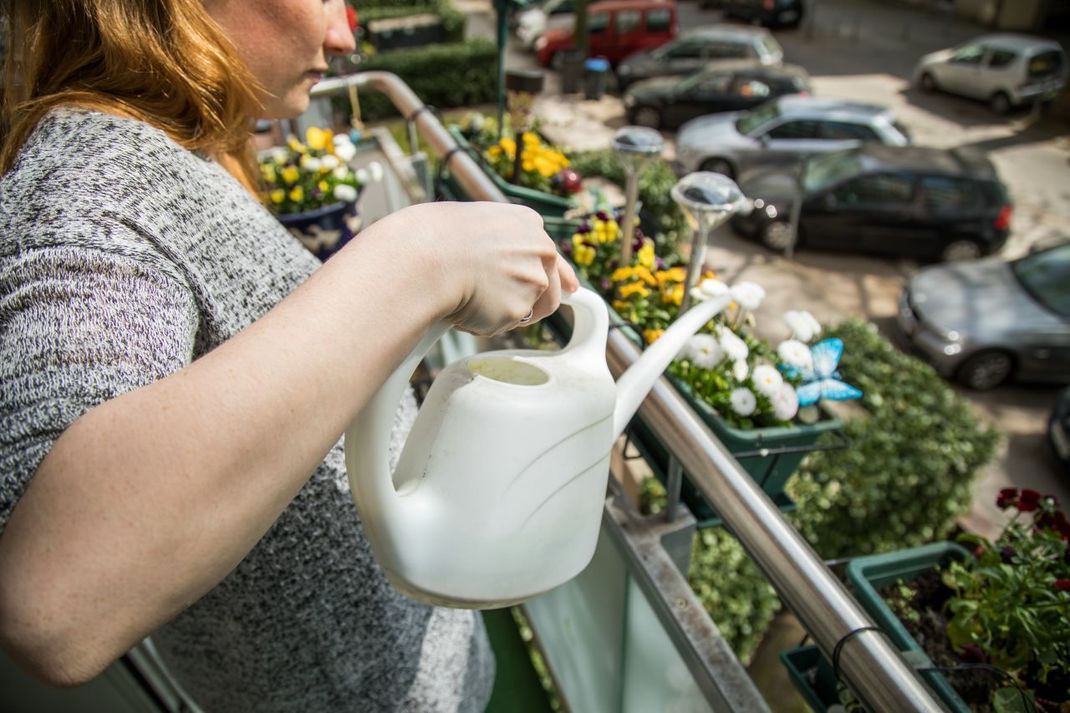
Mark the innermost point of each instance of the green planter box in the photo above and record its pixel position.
(450, 188)
(869, 574)
(769, 455)
(811, 674)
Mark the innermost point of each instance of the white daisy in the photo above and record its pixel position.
(345, 151)
(785, 402)
(734, 347)
(329, 162)
(794, 353)
(802, 324)
(345, 193)
(310, 163)
(703, 351)
(709, 288)
(748, 295)
(740, 369)
(767, 379)
(743, 401)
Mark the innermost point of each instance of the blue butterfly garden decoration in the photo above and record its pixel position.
(822, 381)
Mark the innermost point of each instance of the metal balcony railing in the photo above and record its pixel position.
(871, 666)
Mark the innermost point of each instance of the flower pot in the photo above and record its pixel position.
(812, 676)
(326, 230)
(868, 574)
(769, 455)
(448, 187)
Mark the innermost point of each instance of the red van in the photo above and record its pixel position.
(615, 28)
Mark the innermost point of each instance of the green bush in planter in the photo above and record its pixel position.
(443, 76)
(909, 470)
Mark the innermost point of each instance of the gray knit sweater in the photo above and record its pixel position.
(122, 258)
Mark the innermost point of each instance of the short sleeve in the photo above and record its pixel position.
(82, 320)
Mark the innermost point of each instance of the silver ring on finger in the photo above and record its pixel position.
(531, 313)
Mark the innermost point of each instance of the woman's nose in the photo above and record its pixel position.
(339, 39)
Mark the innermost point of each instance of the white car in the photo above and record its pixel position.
(532, 22)
(1005, 70)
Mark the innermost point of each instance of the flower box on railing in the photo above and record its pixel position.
(769, 455)
(450, 188)
(869, 574)
(811, 674)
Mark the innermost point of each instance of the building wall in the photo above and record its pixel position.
(1009, 15)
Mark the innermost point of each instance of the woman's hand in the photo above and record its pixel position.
(495, 262)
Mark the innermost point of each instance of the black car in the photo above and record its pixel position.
(693, 50)
(893, 200)
(770, 13)
(668, 102)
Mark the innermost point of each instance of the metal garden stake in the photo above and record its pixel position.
(635, 146)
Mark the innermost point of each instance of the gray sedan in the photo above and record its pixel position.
(781, 132)
(987, 321)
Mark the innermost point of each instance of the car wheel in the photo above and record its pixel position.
(777, 236)
(927, 82)
(647, 116)
(718, 165)
(959, 250)
(1000, 103)
(985, 370)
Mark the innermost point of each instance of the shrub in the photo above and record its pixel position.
(452, 18)
(443, 76)
(662, 218)
(909, 469)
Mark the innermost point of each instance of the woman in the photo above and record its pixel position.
(177, 370)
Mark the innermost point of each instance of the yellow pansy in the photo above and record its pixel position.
(290, 174)
(673, 274)
(278, 195)
(317, 139)
(584, 255)
(268, 172)
(621, 274)
(508, 146)
(645, 256)
(295, 145)
(643, 273)
(652, 335)
(494, 152)
(634, 288)
(621, 306)
(674, 295)
(323, 186)
(297, 194)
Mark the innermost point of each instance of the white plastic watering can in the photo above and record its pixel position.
(498, 493)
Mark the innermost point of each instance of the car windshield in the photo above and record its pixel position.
(822, 171)
(1046, 277)
(757, 117)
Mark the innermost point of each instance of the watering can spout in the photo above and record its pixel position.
(638, 380)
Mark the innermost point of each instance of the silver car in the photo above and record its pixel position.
(1004, 70)
(781, 132)
(987, 321)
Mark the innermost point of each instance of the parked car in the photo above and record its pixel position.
(989, 321)
(533, 21)
(1059, 429)
(615, 29)
(695, 49)
(890, 200)
(771, 13)
(1004, 70)
(668, 102)
(782, 131)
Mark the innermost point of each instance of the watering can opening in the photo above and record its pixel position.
(508, 370)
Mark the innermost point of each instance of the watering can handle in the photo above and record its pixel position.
(590, 324)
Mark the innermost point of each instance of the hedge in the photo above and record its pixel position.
(903, 481)
(443, 76)
(909, 470)
(452, 18)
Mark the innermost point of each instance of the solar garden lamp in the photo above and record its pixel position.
(635, 146)
(521, 86)
(708, 200)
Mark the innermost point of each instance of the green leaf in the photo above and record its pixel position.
(1012, 700)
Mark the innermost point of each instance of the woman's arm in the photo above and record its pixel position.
(148, 500)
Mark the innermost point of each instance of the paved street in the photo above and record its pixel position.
(865, 50)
